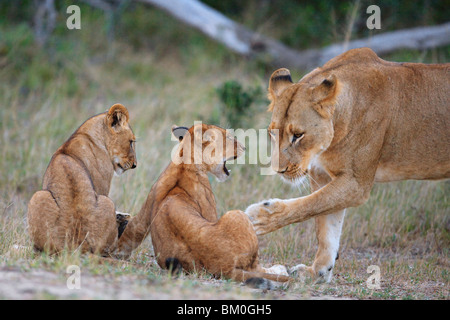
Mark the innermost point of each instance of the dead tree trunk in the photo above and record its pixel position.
(248, 43)
(224, 30)
(417, 38)
(44, 20)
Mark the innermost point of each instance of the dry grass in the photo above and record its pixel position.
(404, 228)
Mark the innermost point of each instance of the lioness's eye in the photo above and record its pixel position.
(297, 136)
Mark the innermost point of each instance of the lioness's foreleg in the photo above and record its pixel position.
(342, 192)
(328, 233)
(326, 204)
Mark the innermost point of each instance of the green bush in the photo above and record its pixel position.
(237, 102)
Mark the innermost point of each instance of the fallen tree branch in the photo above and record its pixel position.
(420, 38)
(248, 43)
(44, 20)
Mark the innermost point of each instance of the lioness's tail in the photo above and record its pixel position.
(259, 280)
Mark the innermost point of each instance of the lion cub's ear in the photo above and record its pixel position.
(324, 96)
(179, 132)
(279, 81)
(117, 117)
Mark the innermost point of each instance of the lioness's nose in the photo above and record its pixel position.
(281, 171)
(134, 165)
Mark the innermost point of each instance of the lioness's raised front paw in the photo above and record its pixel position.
(266, 216)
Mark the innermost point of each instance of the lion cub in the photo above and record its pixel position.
(180, 212)
(73, 209)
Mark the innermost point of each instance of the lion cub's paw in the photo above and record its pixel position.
(296, 270)
(122, 221)
(277, 269)
(122, 216)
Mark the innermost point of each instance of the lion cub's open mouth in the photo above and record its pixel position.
(225, 169)
(227, 172)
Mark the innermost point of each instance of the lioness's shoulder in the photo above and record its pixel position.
(353, 56)
(347, 63)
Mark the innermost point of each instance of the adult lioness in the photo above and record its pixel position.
(180, 212)
(73, 210)
(355, 121)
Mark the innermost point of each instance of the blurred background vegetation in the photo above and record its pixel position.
(139, 28)
(167, 73)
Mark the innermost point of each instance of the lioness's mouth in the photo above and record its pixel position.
(295, 174)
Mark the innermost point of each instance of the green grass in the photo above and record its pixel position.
(404, 227)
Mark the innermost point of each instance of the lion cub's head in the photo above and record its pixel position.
(302, 121)
(120, 141)
(207, 147)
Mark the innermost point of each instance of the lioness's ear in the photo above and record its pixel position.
(324, 96)
(117, 116)
(279, 81)
(179, 132)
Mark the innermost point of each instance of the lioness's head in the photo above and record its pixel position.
(121, 140)
(208, 148)
(302, 121)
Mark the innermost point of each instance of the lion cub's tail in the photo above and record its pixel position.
(260, 280)
(174, 266)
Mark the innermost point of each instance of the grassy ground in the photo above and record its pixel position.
(404, 228)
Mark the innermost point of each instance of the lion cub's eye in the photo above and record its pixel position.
(297, 136)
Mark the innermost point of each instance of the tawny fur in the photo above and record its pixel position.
(355, 121)
(180, 213)
(73, 211)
